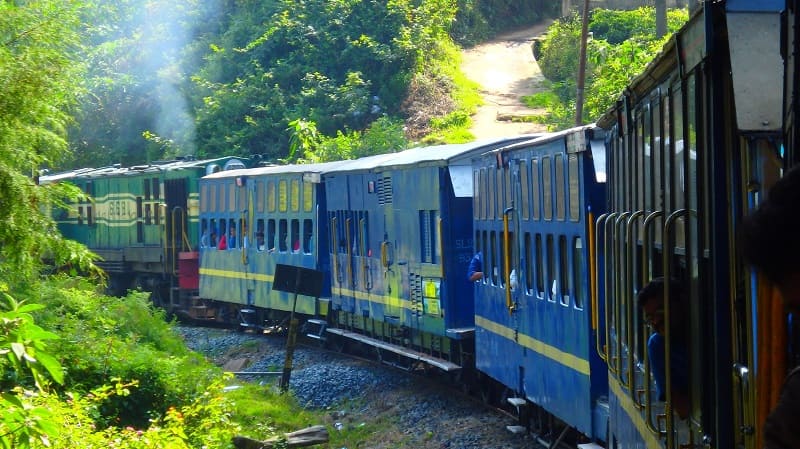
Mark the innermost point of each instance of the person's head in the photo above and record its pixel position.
(769, 236)
(651, 301)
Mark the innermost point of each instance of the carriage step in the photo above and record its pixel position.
(517, 402)
(589, 446)
(315, 328)
(516, 429)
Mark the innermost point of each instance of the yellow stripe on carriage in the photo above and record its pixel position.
(363, 296)
(551, 352)
(624, 399)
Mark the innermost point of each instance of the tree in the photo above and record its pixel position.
(40, 77)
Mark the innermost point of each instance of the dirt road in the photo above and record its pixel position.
(506, 71)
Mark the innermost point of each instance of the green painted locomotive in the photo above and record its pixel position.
(142, 223)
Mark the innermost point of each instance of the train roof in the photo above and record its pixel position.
(412, 156)
(154, 167)
(596, 141)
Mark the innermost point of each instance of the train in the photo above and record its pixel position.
(571, 226)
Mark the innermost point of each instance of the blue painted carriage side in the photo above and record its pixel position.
(543, 348)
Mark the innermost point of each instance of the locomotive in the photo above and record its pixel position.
(571, 226)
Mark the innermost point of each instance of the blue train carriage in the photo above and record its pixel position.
(691, 142)
(138, 219)
(267, 215)
(533, 205)
(400, 242)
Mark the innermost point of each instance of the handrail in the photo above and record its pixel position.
(631, 283)
(619, 294)
(594, 255)
(667, 330)
(648, 399)
(608, 255)
(507, 256)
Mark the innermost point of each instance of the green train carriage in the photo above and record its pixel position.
(141, 221)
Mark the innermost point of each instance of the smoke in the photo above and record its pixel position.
(166, 27)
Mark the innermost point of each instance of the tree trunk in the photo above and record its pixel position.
(661, 18)
(301, 438)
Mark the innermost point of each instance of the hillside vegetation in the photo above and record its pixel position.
(240, 77)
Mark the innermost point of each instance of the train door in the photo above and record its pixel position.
(392, 272)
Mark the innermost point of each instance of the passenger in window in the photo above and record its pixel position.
(651, 300)
(231, 238)
(212, 243)
(770, 244)
(475, 270)
(205, 239)
(223, 243)
(296, 246)
(260, 245)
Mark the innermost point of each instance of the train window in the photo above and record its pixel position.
(678, 167)
(529, 263)
(270, 196)
(223, 230)
(560, 187)
(260, 238)
(146, 185)
(658, 158)
(308, 197)
(308, 235)
(483, 195)
(147, 215)
(283, 235)
(573, 176)
(476, 207)
(213, 234)
(492, 186)
(231, 197)
(536, 188)
(507, 176)
(233, 241)
(551, 269)
(244, 238)
(563, 271)
(295, 195)
(260, 196)
(484, 247)
(242, 194)
(89, 216)
(156, 189)
(539, 260)
(295, 235)
(578, 292)
(139, 209)
(640, 191)
(204, 200)
(212, 203)
(547, 188)
(271, 230)
(523, 181)
(501, 203)
(283, 196)
(492, 258)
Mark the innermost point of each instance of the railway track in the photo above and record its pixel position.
(418, 408)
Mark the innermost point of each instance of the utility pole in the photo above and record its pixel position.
(582, 65)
